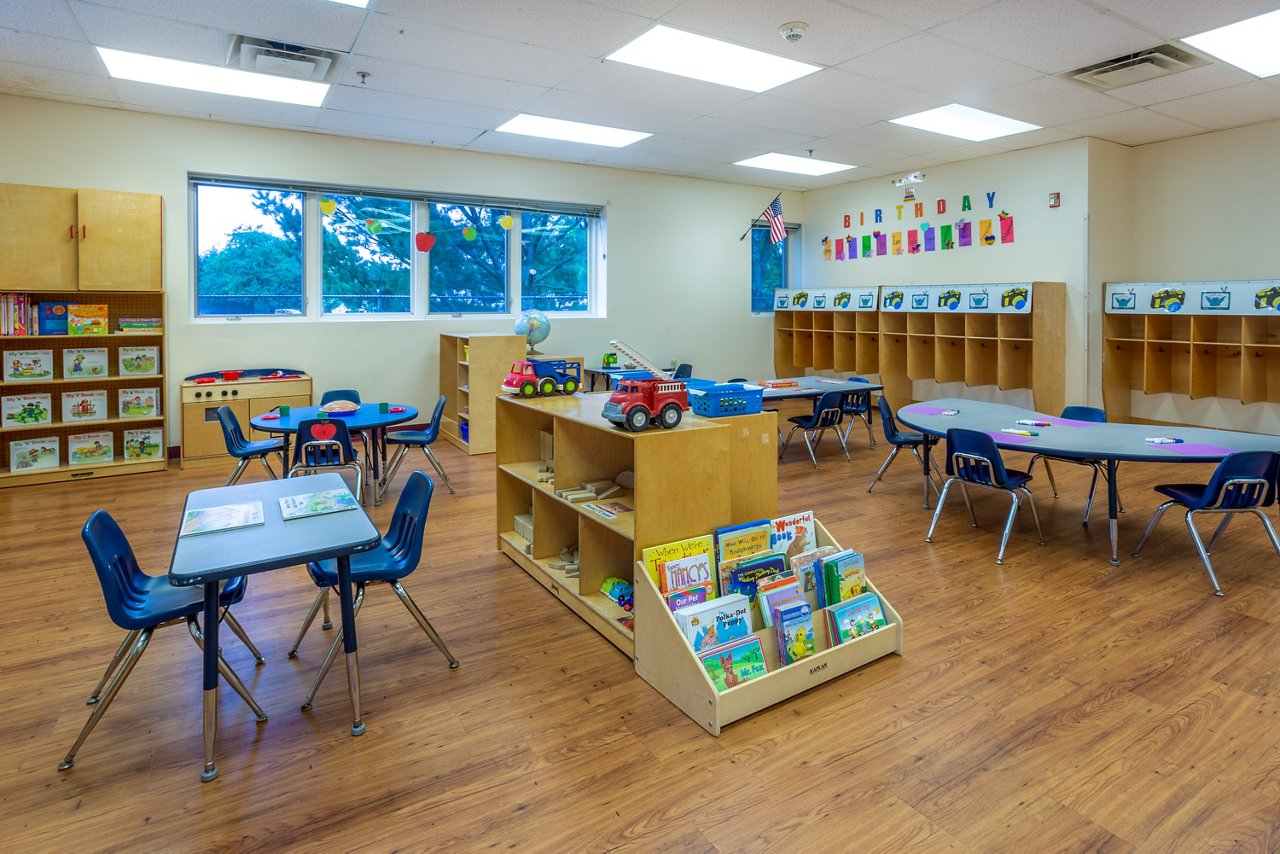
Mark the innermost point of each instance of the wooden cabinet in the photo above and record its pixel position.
(682, 488)
(55, 239)
(472, 367)
(974, 334)
(112, 381)
(249, 396)
(1197, 339)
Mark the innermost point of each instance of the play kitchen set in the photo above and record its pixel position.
(248, 392)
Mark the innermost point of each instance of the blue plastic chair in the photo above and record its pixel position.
(857, 407)
(244, 450)
(325, 443)
(352, 396)
(404, 440)
(974, 460)
(827, 415)
(395, 557)
(683, 371)
(140, 604)
(899, 439)
(1093, 415)
(1244, 482)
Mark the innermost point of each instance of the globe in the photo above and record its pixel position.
(535, 328)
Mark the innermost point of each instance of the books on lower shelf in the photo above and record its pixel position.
(32, 454)
(84, 405)
(138, 361)
(22, 410)
(717, 622)
(859, 616)
(735, 664)
(317, 503)
(225, 517)
(90, 448)
(144, 444)
(138, 402)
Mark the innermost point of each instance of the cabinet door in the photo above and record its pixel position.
(201, 430)
(259, 405)
(37, 238)
(120, 241)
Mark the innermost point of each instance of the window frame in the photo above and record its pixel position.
(791, 271)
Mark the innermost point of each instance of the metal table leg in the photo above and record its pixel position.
(924, 463)
(210, 770)
(349, 642)
(1113, 502)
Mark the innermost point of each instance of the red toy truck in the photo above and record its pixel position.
(634, 403)
(531, 377)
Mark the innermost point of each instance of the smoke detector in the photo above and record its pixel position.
(793, 31)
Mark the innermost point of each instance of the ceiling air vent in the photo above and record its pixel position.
(1159, 61)
(283, 59)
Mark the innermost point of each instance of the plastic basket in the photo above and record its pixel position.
(725, 399)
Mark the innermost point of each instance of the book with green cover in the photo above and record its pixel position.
(317, 503)
(225, 517)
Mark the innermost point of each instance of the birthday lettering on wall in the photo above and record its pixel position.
(926, 237)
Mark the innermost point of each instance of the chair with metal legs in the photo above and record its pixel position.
(899, 439)
(140, 604)
(1093, 415)
(1244, 482)
(827, 415)
(404, 440)
(244, 450)
(857, 407)
(325, 443)
(396, 556)
(974, 460)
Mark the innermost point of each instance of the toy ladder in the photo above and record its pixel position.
(640, 360)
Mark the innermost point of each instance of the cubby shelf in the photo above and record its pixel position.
(482, 360)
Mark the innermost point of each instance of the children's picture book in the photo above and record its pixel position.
(732, 665)
(25, 409)
(90, 448)
(844, 577)
(745, 577)
(51, 318)
(739, 541)
(84, 405)
(317, 503)
(30, 454)
(225, 517)
(86, 319)
(83, 363)
(145, 444)
(685, 598)
(808, 568)
(716, 622)
(684, 573)
(793, 534)
(773, 590)
(860, 616)
(139, 402)
(28, 365)
(654, 556)
(793, 622)
(139, 361)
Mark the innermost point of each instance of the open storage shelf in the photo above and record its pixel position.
(480, 361)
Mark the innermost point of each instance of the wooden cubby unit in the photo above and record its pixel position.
(666, 661)
(703, 474)
(472, 367)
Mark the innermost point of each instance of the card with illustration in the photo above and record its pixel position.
(139, 361)
(84, 405)
(84, 363)
(85, 319)
(139, 402)
(25, 409)
(28, 365)
(90, 448)
(28, 454)
(144, 444)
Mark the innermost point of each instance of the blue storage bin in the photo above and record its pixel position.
(723, 399)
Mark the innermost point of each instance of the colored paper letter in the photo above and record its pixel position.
(929, 239)
(839, 249)
(881, 243)
(985, 235)
(866, 246)
(913, 241)
(964, 230)
(948, 242)
(897, 243)
(1006, 227)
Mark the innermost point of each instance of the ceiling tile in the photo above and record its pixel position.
(122, 30)
(629, 158)
(648, 8)
(1183, 84)
(46, 19)
(356, 99)
(1032, 138)
(1048, 35)
(721, 130)
(968, 151)
(611, 112)
(1048, 101)
(895, 138)
(898, 165)
(919, 14)
(757, 177)
(1226, 108)
(406, 79)
(48, 52)
(1134, 127)
(532, 146)
(772, 112)
(655, 88)
(217, 106)
(1177, 18)
(36, 82)
(853, 93)
(400, 130)
(698, 149)
(931, 64)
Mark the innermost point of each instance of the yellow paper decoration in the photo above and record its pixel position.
(328, 206)
(505, 221)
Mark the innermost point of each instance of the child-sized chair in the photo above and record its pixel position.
(325, 443)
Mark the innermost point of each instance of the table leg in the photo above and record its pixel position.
(1113, 502)
(210, 769)
(927, 447)
(349, 642)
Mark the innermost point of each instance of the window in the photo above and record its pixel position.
(323, 251)
(770, 266)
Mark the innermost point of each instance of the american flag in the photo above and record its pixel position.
(777, 229)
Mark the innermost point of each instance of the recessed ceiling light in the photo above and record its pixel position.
(965, 123)
(571, 131)
(689, 55)
(1250, 44)
(211, 78)
(798, 165)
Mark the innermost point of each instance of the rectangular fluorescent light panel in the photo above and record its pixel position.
(797, 165)
(141, 68)
(965, 123)
(689, 55)
(571, 131)
(1250, 45)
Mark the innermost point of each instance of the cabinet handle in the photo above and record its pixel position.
(84, 231)
(71, 232)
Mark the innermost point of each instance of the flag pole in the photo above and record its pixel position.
(757, 219)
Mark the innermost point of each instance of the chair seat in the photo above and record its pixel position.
(410, 437)
(906, 437)
(373, 565)
(153, 600)
(1015, 479)
(259, 447)
(1190, 494)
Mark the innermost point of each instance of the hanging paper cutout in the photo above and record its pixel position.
(964, 233)
(372, 226)
(930, 238)
(882, 243)
(1006, 227)
(913, 242)
(469, 233)
(866, 246)
(424, 241)
(986, 236)
(505, 221)
(944, 236)
(852, 247)
(897, 243)
(839, 249)
(328, 206)
(909, 195)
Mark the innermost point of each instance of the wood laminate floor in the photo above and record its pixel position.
(1053, 703)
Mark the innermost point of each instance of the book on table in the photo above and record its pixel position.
(733, 664)
(225, 517)
(317, 503)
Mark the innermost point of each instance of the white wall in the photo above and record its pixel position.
(1110, 242)
(679, 279)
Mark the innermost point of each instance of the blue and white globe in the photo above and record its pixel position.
(535, 328)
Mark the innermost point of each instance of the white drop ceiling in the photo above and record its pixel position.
(446, 73)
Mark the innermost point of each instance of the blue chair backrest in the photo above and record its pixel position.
(1259, 468)
(891, 433)
(433, 429)
(737, 380)
(973, 456)
(231, 432)
(857, 402)
(827, 412)
(123, 582)
(683, 371)
(403, 540)
(1085, 413)
(340, 394)
(323, 442)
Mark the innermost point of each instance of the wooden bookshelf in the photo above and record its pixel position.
(704, 474)
(472, 367)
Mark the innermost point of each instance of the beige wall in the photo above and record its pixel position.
(1110, 243)
(678, 277)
